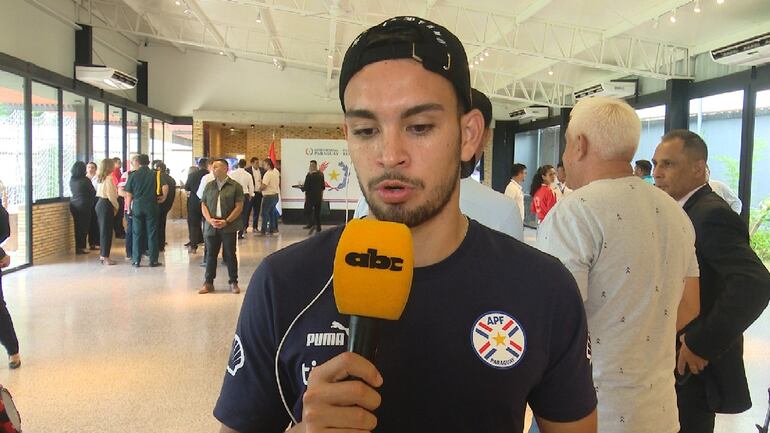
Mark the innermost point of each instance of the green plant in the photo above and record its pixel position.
(760, 242)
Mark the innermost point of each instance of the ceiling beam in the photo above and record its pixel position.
(207, 24)
(334, 9)
(159, 28)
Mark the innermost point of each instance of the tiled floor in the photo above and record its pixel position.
(118, 349)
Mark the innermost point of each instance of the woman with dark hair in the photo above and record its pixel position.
(543, 197)
(7, 332)
(81, 204)
(106, 208)
(93, 228)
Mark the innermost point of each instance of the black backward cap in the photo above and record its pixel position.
(435, 47)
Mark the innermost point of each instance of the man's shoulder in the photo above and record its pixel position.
(709, 207)
(511, 254)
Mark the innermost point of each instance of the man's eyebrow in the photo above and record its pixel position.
(421, 109)
(364, 114)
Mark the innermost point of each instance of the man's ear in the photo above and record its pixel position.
(582, 147)
(472, 131)
(345, 130)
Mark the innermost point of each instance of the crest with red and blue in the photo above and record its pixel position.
(498, 339)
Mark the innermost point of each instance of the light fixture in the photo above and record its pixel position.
(656, 22)
(259, 17)
(719, 2)
(475, 62)
(330, 56)
(550, 71)
(672, 18)
(470, 66)
(696, 8)
(187, 11)
(486, 53)
(178, 3)
(221, 53)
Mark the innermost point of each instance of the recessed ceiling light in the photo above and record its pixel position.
(696, 8)
(259, 17)
(486, 53)
(550, 72)
(178, 3)
(672, 18)
(221, 53)
(719, 2)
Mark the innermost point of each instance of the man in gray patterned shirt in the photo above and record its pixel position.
(632, 251)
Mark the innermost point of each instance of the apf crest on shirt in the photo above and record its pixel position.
(498, 339)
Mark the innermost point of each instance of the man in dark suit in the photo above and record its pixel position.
(255, 204)
(735, 287)
(194, 215)
(314, 196)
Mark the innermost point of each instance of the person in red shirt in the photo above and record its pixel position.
(543, 197)
(120, 231)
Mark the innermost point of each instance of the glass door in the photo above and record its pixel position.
(13, 167)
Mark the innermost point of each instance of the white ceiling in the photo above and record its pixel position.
(539, 50)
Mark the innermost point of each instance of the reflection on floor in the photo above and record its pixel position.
(118, 349)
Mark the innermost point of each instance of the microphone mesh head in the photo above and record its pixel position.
(373, 269)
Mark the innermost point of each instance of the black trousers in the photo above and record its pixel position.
(694, 413)
(145, 231)
(105, 213)
(7, 332)
(82, 220)
(93, 229)
(120, 232)
(194, 220)
(162, 217)
(313, 214)
(227, 242)
(245, 214)
(256, 207)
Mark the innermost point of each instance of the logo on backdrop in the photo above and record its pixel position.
(236, 356)
(308, 151)
(498, 339)
(337, 178)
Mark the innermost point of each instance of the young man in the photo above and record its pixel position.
(246, 181)
(735, 287)
(256, 201)
(405, 91)
(632, 295)
(143, 192)
(560, 187)
(514, 189)
(221, 205)
(271, 186)
(643, 169)
(314, 196)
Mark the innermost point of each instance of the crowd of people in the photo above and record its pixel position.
(659, 274)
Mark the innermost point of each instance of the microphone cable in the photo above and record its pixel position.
(283, 339)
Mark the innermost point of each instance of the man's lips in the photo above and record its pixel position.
(393, 191)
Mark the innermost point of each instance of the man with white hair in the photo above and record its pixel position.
(633, 296)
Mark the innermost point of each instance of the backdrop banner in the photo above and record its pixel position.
(342, 190)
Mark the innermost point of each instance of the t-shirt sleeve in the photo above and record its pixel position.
(566, 391)
(129, 186)
(249, 400)
(564, 235)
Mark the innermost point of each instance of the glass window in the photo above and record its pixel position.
(132, 132)
(549, 145)
(75, 130)
(145, 145)
(718, 120)
(45, 142)
(178, 151)
(526, 152)
(98, 130)
(760, 184)
(653, 127)
(13, 167)
(116, 132)
(157, 140)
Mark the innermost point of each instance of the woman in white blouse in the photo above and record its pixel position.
(106, 208)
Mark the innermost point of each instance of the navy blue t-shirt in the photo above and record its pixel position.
(494, 326)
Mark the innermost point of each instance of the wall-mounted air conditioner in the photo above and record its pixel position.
(529, 113)
(750, 52)
(105, 77)
(612, 89)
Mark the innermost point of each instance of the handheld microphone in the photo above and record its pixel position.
(373, 269)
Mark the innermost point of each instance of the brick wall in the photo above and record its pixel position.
(52, 230)
(256, 142)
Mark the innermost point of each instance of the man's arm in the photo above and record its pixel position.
(723, 246)
(129, 199)
(163, 194)
(689, 306)
(585, 425)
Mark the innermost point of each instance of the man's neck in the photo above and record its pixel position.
(606, 170)
(438, 238)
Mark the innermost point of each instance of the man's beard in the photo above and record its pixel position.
(437, 199)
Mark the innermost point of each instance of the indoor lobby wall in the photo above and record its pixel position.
(52, 230)
(256, 142)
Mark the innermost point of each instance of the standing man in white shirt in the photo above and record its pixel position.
(256, 200)
(560, 187)
(633, 296)
(243, 177)
(271, 185)
(514, 189)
